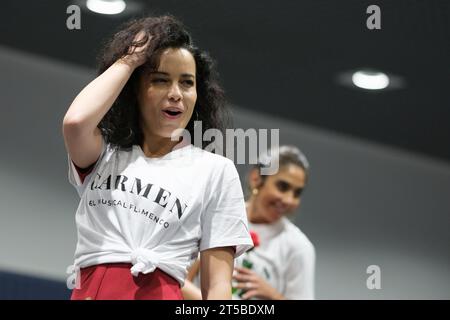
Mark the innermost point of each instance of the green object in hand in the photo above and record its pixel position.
(247, 264)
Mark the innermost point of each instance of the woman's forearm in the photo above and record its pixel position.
(190, 291)
(94, 101)
(218, 291)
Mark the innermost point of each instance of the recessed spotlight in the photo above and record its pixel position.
(106, 6)
(371, 80)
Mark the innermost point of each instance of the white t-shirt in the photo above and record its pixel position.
(285, 258)
(158, 212)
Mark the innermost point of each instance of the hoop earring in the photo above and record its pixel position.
(129, 135)
(255, 191)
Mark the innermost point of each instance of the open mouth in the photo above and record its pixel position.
(172, 114)
(279, 209)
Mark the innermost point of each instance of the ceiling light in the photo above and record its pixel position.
(371, 80)
(106, 6)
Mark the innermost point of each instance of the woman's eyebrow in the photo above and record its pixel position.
(188, 75)
(290, 186)
(159, 73)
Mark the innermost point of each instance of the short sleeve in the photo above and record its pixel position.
(224, 220)
(74, 177)
(300, 274)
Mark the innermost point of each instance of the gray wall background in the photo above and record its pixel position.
(366, 204)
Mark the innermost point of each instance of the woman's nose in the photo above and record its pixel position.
(175, 92)
(289, 199)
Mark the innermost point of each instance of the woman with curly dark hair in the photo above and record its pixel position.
(150, 200)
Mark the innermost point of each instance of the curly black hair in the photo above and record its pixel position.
(121, 126)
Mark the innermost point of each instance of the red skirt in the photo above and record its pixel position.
(114, 281)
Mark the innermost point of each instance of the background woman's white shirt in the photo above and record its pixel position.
(285, 258)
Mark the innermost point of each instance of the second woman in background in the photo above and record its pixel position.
(282, 264)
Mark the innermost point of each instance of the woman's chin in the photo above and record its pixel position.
(173, 133)
(276, 215)
(273, 217)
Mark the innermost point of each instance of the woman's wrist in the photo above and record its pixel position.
(123, 62)
(277, 296)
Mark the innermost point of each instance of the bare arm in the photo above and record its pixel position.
(193, 270)
(81, 136)
(190, 291)
(216, 270)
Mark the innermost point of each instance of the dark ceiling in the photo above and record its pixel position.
(283, 57)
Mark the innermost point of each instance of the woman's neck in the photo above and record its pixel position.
(251, 213)
(154, 146)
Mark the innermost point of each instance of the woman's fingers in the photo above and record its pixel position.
(242, 277)
(243, 270)
(136, 54)
(139, 36)
(136, 47)
(250, 294)
(244, 285)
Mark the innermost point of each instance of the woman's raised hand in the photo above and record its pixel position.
(136, 54)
